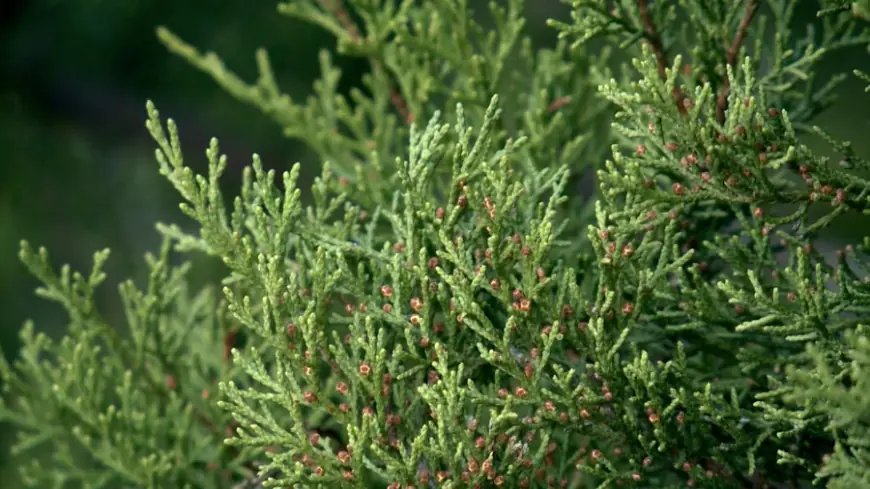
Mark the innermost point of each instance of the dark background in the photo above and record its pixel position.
(76, 165)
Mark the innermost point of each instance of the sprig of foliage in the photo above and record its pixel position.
(120, 411)
(834, 392)
(432, 318)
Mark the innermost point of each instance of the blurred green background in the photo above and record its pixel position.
(76, 165)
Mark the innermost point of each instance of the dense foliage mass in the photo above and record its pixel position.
(448, 312)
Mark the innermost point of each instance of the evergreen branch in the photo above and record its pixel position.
(337, 8)
(445, 313)
(655, 41)
(731, 53)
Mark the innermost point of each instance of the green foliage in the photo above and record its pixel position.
(446, 312)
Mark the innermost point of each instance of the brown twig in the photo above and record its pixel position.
(559, 103)
(337, 9)
(731, 53)
(229, 343)
(654, 39)
(340, 13)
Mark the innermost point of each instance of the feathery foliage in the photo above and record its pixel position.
(448, 312)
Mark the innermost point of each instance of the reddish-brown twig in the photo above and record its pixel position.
(652, 36)
(731, 53)
(559, 103)
(229, 344)
(340, 13)
(337, 9)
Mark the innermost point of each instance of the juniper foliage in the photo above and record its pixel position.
(448, 313)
